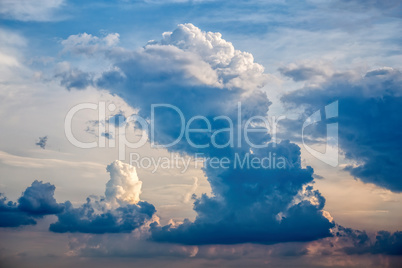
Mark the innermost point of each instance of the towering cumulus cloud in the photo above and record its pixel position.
(370, 124)
(124, 187)
(203, 75)
(119, 211)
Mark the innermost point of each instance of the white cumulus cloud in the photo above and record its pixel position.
(233, 68)
(88, 44)
(124, 187)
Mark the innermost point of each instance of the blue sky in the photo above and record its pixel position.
(236, 82)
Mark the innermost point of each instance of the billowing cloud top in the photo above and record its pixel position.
(331, 56)
(202, 58)
(227, 66)
(124, 187)
(120, 211)
(203, 75)
(36, 201)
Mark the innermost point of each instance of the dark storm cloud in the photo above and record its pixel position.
(370, 124)
(11, 216)
(202, 74)
(385, 243)
(85, 219)
(36, 201)
(265, 196)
